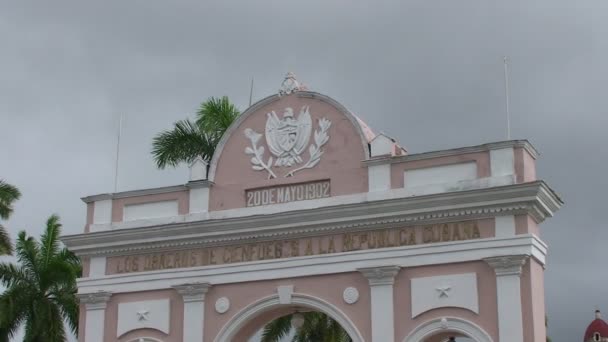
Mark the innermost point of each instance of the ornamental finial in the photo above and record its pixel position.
(290, 85)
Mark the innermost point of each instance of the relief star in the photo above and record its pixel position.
(142, 315)
(443, 291)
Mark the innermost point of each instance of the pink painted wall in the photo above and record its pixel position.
(90, 209)
(182, 198)
(482, 159)
(486, 285)
(525, 224)
(242, 295)
(525, 166)
(176, 316)
(533, 301)
(340, 162)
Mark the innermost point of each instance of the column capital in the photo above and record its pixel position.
(192, 292)
(95, 300)
(508, 264)
(382, 275)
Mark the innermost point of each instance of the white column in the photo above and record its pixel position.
(508, 294)
(95, 306)
(381, 280)
(194, 310)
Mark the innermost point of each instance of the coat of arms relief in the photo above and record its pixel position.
(287, 138)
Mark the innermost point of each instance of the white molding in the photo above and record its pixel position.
(452, 290)
(152, 314)
(381, 145)
(102, 212)
(533, 198)
(95, 306)
(150, 210)
(97, 266)
(379, 177)
(193, 294)
(198, 169)
(407, 256)
(525, 144)
(222, 305)
(234, 325)
(135, 193)
(504, 226)
(381, 275)
(440, 174)
(508, 292)
(350, 295)
(381, 280)
(285, 292)
(449, 324)
(502, 162)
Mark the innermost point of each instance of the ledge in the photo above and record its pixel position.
(135, 193)
(535, 199)
(525, 144)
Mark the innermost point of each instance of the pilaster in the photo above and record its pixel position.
(95, 306)
(381, 280)
(193, 295)
(508, 293)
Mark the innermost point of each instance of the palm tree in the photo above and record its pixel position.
(40, 289)
(8, 195)
(189, 140)
(317, 327)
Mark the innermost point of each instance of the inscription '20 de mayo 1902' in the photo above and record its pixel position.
(287, 193)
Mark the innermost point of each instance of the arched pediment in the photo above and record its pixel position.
(290, 139)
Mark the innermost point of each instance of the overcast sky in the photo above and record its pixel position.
(427, 72)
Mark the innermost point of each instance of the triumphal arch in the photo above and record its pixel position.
(303, 207)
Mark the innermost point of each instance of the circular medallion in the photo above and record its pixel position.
(222, 305)
(350, 295)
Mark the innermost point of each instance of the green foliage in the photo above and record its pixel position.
(317, 327)
(41, 289)
(9, 194)
(189, 140)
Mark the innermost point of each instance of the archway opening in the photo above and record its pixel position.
(303, 312)
(301, 324)
(446, 328)
(449, 336)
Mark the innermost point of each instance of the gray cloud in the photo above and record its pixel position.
(426, 72)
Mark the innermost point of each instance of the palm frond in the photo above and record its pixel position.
(6, 246)
(27, 251)
(13, 305)
(277, 329)
(184, 143)
(49, 241)
(8, 195)
(215, 115)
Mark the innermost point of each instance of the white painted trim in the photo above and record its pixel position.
(407, 256)
(199, 200)
(372, 210)
(238, 321)
(504, 226)
(502, 162)
(440, 174)
(145, 339)
(151, 314)
(379, 177)
(381, 281)
(450, 290)
(447, 324)
(97, 266)
(102, 212)
(150, 210)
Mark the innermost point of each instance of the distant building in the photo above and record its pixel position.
(597, 331)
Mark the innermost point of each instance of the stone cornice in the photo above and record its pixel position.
(525, 144)
(95, 301)
(134, 193)
(507, 265)
(192, 292)
(533, 198)
(382, 275)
